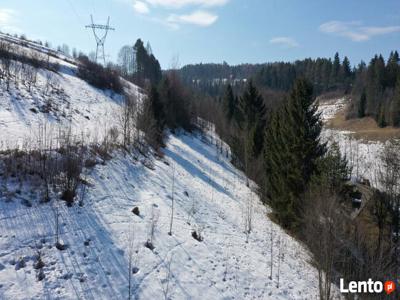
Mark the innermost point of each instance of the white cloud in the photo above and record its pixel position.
(182, 3)
(141, 7)
(6, 15)
(8, 20)
(200, 18)
(355, 31)
(284, 41)
(169, 12)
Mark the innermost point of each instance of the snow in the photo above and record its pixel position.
(31, 46)
(75, 104)
(329, 108)
(222, 266)
(210, 196)
(363, 156)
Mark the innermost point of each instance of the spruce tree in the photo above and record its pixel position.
(229, 103)
(346, 68)
(362, 105)
(141, 58)
(253, 118)
(392, 69)
(332, 170)
(292, 150)
(175, 97)
(395, 109)
(335, 70)
(158, 110)
(147, 67)
(346, 74)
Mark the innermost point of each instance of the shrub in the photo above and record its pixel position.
(72, 164)
(39, 264)
(98, 76)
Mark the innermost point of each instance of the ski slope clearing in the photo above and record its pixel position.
(210, 196)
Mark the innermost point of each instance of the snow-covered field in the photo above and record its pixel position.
(363, 156)
(210, 194)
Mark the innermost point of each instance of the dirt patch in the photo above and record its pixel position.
(365, 128)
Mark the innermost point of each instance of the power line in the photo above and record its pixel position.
(75, 12)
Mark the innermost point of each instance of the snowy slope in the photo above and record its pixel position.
(364, 156)
(58, 100)
(223, 266)
(210, 196)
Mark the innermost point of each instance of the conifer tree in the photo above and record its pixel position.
(395, 111)
(229, 103)
(292, 150)
(147, 67)
(252, 121)
(335, 70)
(332, 170)
(346, 68)
(362, 105)
(346, 74)
(175, 98)
(158, 110)
(392, 69)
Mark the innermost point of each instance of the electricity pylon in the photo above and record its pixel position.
(100, 40)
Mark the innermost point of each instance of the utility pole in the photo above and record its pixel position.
(100, 40)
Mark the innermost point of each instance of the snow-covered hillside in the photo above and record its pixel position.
(363, 156)
(105, 240)
(210, 195)
(58, 100)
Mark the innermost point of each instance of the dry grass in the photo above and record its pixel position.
(365, 128)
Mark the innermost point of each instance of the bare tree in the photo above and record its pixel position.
(58, 243)
(148, 134)
(192, 211)
(126, 60)
(248, 216)
(6, 49)
(390, 181)
(49, 82)
(172, 199)
(324, 222)
(131, 243)
(152, 227)
(45, 148)
(165, 283)
(127, 118)
(279, 260)
(271, 251)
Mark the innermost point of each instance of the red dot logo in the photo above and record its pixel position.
(390, 287)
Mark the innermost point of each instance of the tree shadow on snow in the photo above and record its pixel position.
(194, 171)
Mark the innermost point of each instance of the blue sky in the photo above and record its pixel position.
(235, 31)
